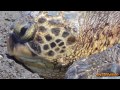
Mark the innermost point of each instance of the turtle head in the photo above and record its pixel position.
(24, 31)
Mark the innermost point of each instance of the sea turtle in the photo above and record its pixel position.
(48, 44)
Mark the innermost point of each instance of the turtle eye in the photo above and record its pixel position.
(20, 29)
(23, 31)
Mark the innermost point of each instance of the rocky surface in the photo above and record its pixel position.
(106, 62)
(9, 69)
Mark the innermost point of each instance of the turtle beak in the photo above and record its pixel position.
(10, 44)
(16, 48)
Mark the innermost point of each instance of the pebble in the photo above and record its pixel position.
(1, 56)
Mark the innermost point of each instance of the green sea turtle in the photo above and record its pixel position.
(48, 45)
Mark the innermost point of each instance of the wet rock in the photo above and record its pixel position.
(104, 65)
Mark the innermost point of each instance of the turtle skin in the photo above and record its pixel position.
(48, 45)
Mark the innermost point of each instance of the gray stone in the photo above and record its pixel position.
(1, 57)
(107, 62)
